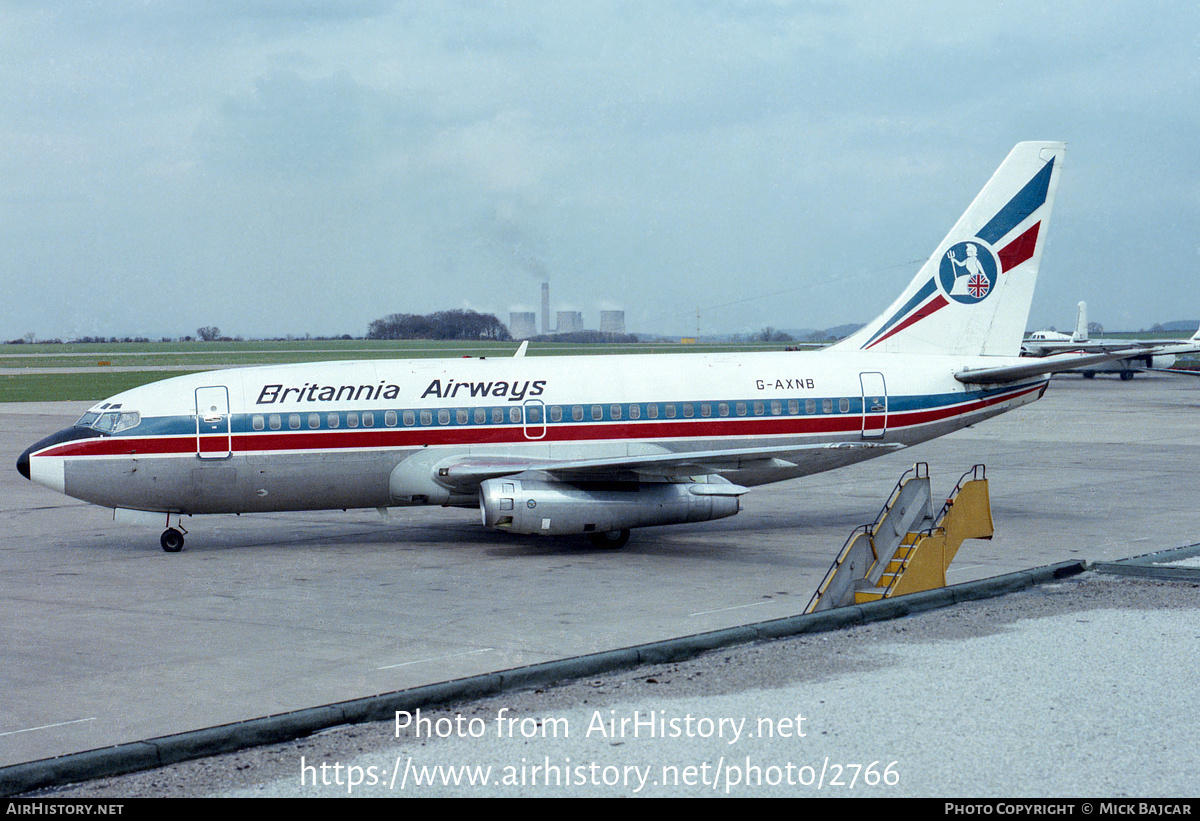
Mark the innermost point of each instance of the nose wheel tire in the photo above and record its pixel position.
(171, 540)
(609, 540)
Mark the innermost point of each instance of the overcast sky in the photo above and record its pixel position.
(283, 168)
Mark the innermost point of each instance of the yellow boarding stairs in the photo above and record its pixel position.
(907, 549)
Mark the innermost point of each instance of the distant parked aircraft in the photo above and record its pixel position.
(1145, 354)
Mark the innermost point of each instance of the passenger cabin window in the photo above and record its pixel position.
(258, 421)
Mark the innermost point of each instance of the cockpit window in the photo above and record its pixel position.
(110, 422)
(129, 419)
(87, 420)
(107, 422)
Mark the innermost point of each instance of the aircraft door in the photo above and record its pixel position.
(535, 419)
(213, 433)
(875, 405)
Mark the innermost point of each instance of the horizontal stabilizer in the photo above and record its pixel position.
(1041, 366)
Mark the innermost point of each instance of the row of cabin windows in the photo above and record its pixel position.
(557, 413)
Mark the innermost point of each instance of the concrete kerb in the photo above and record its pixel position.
(157, 752)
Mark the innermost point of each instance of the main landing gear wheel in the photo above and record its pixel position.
(171, 540)
(609, 540)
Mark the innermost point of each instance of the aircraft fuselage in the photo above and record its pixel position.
(372, 433)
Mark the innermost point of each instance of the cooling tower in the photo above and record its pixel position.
(612, 322)
(569, 322)
(522, 324)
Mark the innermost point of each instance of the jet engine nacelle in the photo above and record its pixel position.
(561, 508)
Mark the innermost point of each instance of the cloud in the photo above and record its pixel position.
(308, 167)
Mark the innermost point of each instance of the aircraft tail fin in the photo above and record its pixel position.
(1081, 325)
(972, 296)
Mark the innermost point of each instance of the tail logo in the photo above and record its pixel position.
(968, 272)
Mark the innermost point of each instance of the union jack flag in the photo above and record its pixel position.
(978, 285)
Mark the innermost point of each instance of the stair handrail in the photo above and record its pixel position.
(975, 473)
(837, 563)
(919, 470)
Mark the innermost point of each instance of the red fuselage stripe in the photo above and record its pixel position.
(381, 438)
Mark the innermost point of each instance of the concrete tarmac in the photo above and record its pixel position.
(1071, 689)
(112, 640)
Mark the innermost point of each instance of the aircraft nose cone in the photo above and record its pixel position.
(67, 435)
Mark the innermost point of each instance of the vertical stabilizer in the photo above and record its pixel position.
(972, 296)
(1081, 329)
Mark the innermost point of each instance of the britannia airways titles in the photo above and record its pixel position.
(442, 389)
(515, 391)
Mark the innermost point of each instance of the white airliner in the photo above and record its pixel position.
(591, 445)
(1155, 354)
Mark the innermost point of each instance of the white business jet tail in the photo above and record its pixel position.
(972, 296)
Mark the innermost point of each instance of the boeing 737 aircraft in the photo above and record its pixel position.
(592, 445)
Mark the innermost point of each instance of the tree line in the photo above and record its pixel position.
(456, 324)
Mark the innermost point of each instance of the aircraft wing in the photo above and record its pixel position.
(466, 471)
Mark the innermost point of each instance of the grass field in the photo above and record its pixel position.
(71, 387)
(81, 372)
